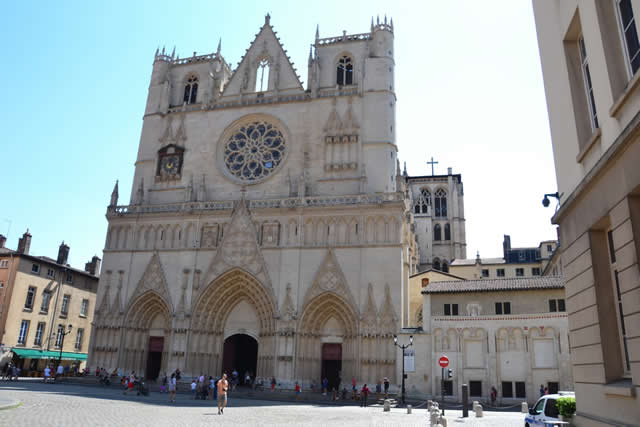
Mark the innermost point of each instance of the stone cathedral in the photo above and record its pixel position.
(269, 228)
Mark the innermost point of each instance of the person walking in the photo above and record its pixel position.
(494, 394)
(172, 388)
(47, 373)
(353, 385)
(59, 371)
(386, 387)
(541, 390)
(163, 386)
(298, 390)
(223, 385)
(325, 386)
(365, 394)
(273, 384)
(378, 388)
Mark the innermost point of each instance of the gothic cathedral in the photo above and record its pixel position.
(269, 229)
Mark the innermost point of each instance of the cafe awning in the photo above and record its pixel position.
(30, 353)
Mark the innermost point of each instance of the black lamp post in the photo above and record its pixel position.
(403, 347)
(64, 334)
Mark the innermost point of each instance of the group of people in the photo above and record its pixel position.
(361, 394)
(201, 388)
(10, 372)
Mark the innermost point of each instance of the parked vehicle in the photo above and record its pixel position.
(545, 411)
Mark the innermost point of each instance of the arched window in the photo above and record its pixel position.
(191, 90)
(424, 200)
(345, 71)
(436, 264)
(262, 76)
(440, 203)
(447, 232)
(437, 232)
(445, 267)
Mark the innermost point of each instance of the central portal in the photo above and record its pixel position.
(154, 357)
(240, 353)
(332, 364)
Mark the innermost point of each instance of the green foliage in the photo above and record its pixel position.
(566, 406)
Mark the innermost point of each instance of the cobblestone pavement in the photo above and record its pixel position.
(73, 405)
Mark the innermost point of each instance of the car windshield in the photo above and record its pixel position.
(550, 410)
(538, 408)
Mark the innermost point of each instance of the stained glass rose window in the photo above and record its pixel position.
(254, 151)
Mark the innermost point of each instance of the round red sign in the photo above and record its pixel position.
(443, 361)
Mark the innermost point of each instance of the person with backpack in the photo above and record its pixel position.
(364, 394)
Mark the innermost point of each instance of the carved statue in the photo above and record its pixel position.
(202, 195)
(245, 78)
(188, 191)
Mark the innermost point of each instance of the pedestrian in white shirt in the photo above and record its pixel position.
(47, 373)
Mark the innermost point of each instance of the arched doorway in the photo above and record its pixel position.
(332, 364)
(240, 352)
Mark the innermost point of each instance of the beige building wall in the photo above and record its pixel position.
(417, 282)
(474, 271)
(599, 187)
(43, 276)
(530, 345)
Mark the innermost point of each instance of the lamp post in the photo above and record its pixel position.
(64, 334)
(403, 347)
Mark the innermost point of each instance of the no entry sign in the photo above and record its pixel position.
(443, 361)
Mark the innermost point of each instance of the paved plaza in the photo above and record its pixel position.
(76, 405)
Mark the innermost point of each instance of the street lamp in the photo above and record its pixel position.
(403, 347)
(64, 334)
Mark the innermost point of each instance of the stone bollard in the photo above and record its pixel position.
(475, 404)
(479, 411)
(408, 409)
(443, 421)
(435, 416)
(387, 405)
(524, 408)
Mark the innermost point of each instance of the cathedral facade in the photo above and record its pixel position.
(269, 228)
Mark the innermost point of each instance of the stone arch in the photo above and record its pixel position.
(148, 310)
(316, 314)
(211, 312)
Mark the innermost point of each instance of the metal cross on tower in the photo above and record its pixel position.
(432, 163)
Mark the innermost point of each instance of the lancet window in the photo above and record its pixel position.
(437, 232)
(423, 201)
(445, 267)
(345, 71)
(191, 90)
(262, 76)
(440, 203)
(436, 264)
(447, 232)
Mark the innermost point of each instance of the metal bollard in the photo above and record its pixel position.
(524, 408)
(387, 405)
(408, 409)
(465, 401)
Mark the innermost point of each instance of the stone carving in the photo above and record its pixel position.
(209, 236)
(270, 234)
(105, 305)
(239, 248)
(474, 309)
(388, 317)
(116, 307)
(153, 279)
(114, 195)
(370, 316)
(288, 307)
(330, 278)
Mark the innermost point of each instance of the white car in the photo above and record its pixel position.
(544, 412)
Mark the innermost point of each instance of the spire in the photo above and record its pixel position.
(219, 47)
(372, 24)
(267, 19)
(391, 24)
(310, 55)
(378, 20)
(173, 53)
(157, 51)
(162, 50)
(385, 19)
(404, 172)
(317, 32)
(114, 195)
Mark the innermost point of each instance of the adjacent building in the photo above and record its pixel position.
(515, 262)
(511, 334)
(590, 58)
(46, 306)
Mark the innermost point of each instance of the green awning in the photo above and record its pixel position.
(30, 353)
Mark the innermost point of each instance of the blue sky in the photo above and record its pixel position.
(75, 79)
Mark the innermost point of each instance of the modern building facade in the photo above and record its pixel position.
(268, 228)
(590, 57)
(46, 306)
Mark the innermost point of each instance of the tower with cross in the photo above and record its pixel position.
(432, 163)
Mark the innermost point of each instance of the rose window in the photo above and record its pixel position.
(254, 151)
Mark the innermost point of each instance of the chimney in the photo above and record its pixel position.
(24, 243)
(63, 254)
(3, 240)
(93, 266)
(506, 246)
(449, 171)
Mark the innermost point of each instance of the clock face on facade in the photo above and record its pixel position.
(170, 165)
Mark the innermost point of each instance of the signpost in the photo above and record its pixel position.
(443, 362)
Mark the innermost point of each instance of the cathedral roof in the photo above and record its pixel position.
(472, 261)
(490, 285)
